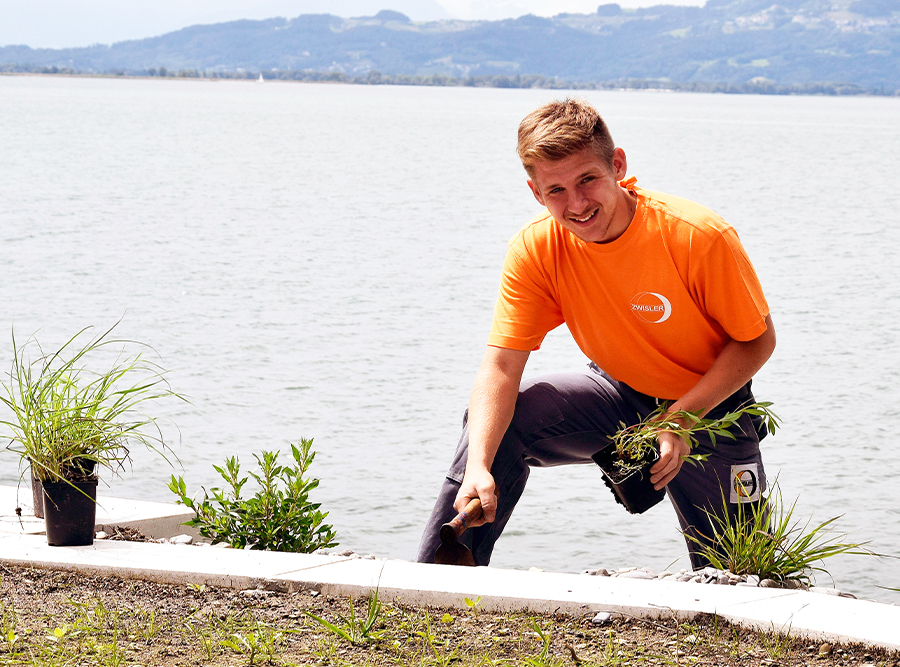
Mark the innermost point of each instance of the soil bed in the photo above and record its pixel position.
(50, 617)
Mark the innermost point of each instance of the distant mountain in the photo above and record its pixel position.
(785, 43)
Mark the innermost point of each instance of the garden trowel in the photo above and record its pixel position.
(451, 552)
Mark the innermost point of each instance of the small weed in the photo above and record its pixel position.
(473, 605)
(543, 657)
(776, 644)
(9, 621)
(352, 629)
(147, 625)
(59, 633)
(263, 640)
(204, 639)
(432, 643)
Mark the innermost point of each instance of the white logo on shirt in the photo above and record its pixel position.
(651, 307)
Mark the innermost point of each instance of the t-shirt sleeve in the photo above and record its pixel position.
(525, 310)
(728, 290)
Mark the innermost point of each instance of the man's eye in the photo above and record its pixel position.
(555, 191)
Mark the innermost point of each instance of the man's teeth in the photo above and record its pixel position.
(584, 219)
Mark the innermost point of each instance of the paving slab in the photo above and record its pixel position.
(800, 613)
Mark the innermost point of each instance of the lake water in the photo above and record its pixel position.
(322, 261)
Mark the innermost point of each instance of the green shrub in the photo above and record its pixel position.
(275, 519)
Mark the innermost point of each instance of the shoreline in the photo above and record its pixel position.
(826, 89)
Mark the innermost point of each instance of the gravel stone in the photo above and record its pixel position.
(638, 574)
(601, 618)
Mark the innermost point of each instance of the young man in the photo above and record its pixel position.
(661, 297)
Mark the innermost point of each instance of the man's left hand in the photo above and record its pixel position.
(672, 450)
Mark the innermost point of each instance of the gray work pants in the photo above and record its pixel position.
(567, 417)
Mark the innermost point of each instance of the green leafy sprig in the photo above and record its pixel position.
(636, 442)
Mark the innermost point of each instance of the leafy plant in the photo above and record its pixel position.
(352, 629)
(67, 418)
(635, 442)
(275, 519)
(767, 541)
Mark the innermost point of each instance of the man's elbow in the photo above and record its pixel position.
(767, 340)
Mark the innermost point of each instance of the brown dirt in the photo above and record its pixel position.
(65, 618)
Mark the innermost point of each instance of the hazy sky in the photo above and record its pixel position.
(61, 23)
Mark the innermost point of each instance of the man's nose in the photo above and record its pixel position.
(578, 201)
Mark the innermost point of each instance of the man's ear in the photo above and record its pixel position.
(620, 164)
(536, 192)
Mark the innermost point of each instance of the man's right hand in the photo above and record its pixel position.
(478, 485)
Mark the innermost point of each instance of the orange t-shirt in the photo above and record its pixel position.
(654, 308)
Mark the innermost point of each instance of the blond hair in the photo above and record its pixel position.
(561, 128)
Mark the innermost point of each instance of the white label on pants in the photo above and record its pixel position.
(744, 483)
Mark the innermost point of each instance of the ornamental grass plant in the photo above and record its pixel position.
(764, 538)
(66, 418)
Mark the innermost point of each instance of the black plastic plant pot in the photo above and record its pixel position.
(70, 512)
(632, 488)
(37, 495)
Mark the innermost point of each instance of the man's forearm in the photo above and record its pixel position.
(491, 410)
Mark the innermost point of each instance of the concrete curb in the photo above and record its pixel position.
(800, 613)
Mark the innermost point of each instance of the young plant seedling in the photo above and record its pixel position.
(636, 442)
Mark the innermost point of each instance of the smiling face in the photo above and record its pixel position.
(583, 194)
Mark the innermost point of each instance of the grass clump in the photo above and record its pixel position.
(67, 417)
(765, 539)
(278, 517)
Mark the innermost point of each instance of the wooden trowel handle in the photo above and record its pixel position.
(451, 531)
